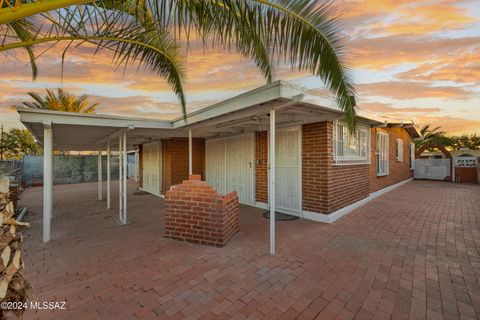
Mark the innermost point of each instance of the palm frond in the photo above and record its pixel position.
(24, 30)
(306, 34)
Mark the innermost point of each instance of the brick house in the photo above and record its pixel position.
(320, 167)
(317, 169)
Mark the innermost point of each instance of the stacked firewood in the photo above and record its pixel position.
(13, 287)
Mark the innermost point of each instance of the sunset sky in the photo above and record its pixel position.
(412, 59)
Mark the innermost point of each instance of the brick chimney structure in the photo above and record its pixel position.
(197, 213)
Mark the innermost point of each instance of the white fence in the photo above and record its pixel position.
(432, 169)
(466, 162)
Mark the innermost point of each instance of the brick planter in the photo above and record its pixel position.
(196, 213)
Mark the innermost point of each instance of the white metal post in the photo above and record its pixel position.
(100, 187)
(125, 174)
(109, 203)
(190, 153)
(271, 188)
(47, 181)
(120, 179)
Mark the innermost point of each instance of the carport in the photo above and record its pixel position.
(87, 132)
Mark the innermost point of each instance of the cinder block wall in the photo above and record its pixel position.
(175, 160)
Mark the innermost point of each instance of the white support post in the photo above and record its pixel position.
(120, 178)
(109, 169)
(190, 153)
(47, 181)
(100, 178)
(125, 174)
(271, 186)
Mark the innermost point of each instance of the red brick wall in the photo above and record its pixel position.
(196, 213)
(316, 163)
(466, 175)
(398, 170)
(175, 160)
(327, 187)
(349, 184)
(261, 171)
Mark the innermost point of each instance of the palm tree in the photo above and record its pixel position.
(62, 101)
(431, 138)
(304, 33)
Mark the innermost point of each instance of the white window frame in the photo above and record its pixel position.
(399, 153)
(344, 143)
(382, 154)
(412, 156)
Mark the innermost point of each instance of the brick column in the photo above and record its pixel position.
(196, 213)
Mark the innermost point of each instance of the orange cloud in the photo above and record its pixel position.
(387, 108)
(412, 17)
(412, 90)
(463, 68)
(392, 51)
(452, 125)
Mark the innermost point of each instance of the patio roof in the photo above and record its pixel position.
(246, 112)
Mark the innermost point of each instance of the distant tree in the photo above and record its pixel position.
(16, 143)
(432, 138)
(471, 142)
(61, 101)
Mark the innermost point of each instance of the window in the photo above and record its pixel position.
(382, 154)
(412, 156)
(399, 153)
(348, 148)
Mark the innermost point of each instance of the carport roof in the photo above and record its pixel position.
(243, 113)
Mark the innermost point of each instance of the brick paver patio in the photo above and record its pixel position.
(410, 254)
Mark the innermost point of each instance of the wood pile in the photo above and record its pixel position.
(13, 287)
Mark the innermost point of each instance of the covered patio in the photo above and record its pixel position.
(398, 256)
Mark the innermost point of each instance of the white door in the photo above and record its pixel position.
(229, 164)
(215, 163)
(152, 167)
(239, 165)
(288, 169)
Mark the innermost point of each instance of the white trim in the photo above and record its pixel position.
(100, 174)
(271, 181)
(190, 153)
(399, 151)
(261, 205)
(334, 216)
(109, 177)
(385, 151)
(153, 194)
(47, 181)
(74, 118)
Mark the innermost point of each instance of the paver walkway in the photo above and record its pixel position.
(413, 253)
